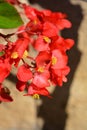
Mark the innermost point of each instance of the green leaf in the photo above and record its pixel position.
(9, 17)
(2, 53)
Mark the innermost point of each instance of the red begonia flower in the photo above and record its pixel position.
(30, 12)
(42, 43)
(4, 95)
(43, 58)
(20, 46)
(47, 12)
(49, 29)
(36, 90)
(21, 85)
(34, 27)
(58, 19)
(59, 59)
(68, 43)
(61, 44)
(44, 71)
(2, 47)
(22, 32)
(49, 65)
(40, 80)
(5, 69)
(53, 16)
(24, 74)
(59, 75)
(63, 23)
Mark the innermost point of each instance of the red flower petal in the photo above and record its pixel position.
(49, 29)
(40, 81)
(4, 96)
(40, 44)
(34, 90)
(2, 47)
(61, 59)
(43, 58)
(21, 85)
(30, 12)
(5, 68)
(63, 23)
(20, 46)
(69, 43)
(24, 74)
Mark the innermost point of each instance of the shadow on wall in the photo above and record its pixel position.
(53, 110)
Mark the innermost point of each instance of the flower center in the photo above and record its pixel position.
(54, 60)
(14, 55)
(25, 54)
(35, 22)
(47, 39)
(40, 69)
(36, 96)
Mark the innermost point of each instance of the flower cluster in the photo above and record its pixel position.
(49, 65)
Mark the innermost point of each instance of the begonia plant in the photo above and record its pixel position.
(41, 33)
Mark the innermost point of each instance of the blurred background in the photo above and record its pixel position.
(68, 108)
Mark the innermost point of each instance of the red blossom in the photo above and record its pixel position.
(57, 18)
(20, 46)
(5, 69)
(42, 43)
(43, 58)
(63, 23)
(24, 74)
(68, 43)
(32, 89)
(34, 27)
(59, 59)
(49, 29)
(30, 12)
(22, 32)
(40, 81)
(61, 44)
(59, 75)
(49, 65)
(20, 85)
(2, 47)
(4, 94)
(19, 51)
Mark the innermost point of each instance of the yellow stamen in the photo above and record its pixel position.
(36, 96)
(35, 22)
(14, 55)
(47, 39)
(40, 69)
(54, 60)
(25, 54)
